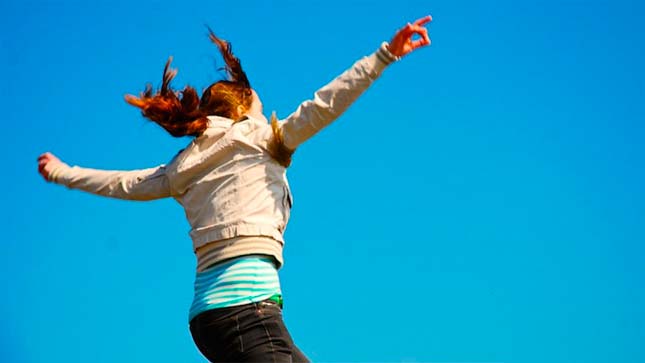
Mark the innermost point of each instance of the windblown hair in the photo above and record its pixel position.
(280, 152)
(178, 116)
(183, 113)
(222, 98)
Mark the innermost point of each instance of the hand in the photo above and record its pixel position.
(402, 43)
(48, 162)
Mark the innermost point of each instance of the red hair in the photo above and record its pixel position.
(184, 113)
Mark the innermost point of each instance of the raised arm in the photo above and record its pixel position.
(145, 184)
(332, 100)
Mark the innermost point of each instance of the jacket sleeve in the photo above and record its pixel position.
(144, 184)
(332, 100)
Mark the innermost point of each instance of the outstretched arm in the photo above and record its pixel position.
(145, 184)
(333, 99)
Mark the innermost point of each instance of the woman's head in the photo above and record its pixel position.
(232, 98)
(184, 113)
(227, 99)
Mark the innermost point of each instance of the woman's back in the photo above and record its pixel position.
(229, 184)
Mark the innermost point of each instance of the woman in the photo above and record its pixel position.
(231, 181)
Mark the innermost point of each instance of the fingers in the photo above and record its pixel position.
(420, 43)
(407, 30)
(44, 163)
(43, 160)
(411, 30)
(44, 155)
(403, 43)
(424, 40)
(423, 21)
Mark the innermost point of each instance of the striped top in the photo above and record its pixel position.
(234, 282)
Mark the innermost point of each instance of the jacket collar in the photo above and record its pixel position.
(219, 121)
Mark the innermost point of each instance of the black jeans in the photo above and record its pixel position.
(247, 333)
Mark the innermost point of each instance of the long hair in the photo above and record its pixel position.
(184, 113)
(180, 116)
(222, 98)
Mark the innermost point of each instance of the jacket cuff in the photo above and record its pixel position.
(55, 175)
(384, 55)
(382, 58)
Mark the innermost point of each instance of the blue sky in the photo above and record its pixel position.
(482, 202)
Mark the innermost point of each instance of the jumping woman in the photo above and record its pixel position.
(231, 181)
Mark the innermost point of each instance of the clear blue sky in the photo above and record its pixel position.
(483, 202)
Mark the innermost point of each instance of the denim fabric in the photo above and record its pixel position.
(247, 333)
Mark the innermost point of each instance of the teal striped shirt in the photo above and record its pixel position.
(234, 282)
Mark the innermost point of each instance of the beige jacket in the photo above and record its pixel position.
(226, 180)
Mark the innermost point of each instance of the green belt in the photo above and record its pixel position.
(277, 298)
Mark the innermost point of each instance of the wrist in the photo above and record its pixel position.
(55, 172)
(385, 55)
